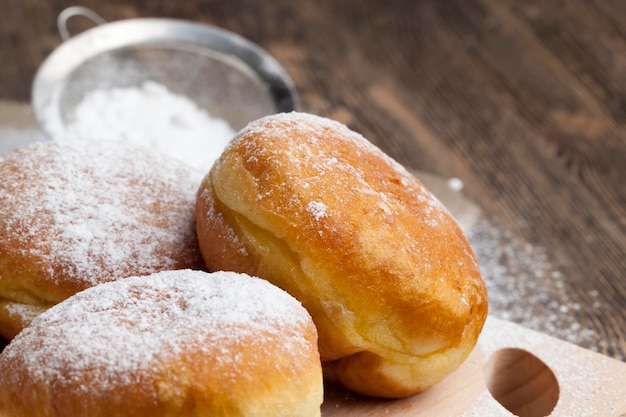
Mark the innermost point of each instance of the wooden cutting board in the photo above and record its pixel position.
(532, 373)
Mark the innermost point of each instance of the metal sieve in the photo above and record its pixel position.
(222, 72)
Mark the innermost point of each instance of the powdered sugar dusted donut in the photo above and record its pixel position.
(78, 213)
(177, 343)
(385, 271)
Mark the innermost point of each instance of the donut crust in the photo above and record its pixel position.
(385, 271)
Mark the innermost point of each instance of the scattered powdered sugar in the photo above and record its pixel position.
(515, 270)
(90, 212)
(153, 116)
(114, 332)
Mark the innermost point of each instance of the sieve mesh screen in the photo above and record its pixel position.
(220, 84)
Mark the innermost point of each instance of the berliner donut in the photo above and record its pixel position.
(177, 344)
(385, 271)
(75, 214)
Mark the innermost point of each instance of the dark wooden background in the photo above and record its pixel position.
(525, 101)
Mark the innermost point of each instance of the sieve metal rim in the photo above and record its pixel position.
(111, 36)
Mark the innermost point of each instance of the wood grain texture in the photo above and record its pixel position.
(524, 101)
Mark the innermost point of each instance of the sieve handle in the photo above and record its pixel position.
(70, 12)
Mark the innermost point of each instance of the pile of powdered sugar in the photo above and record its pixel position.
(152, 115)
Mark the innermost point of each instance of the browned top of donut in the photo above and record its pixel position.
(369, 236)
(74, 214)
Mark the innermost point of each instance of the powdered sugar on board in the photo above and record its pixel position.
(117, 332)
(151, 115)
(515, 270)
(92, 212)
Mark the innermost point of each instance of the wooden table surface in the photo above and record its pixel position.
(524, 102)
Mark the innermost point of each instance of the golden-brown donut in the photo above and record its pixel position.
(75, 214)
(176, 344)
(385, 271)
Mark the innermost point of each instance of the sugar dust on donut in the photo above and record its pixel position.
(387, 274)
(74, 214)
(175, 343)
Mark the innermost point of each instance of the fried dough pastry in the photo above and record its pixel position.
(76, 214)
(385, 271)
(174, 344)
